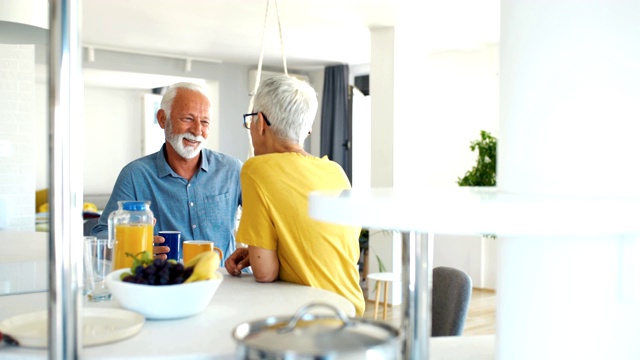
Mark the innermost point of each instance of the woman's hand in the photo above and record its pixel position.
(237, 261)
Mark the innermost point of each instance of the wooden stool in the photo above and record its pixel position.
(385, 277)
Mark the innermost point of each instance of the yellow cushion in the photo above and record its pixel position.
(42, 196)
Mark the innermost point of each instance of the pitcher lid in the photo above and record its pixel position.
(134, 205)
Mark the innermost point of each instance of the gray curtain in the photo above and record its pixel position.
(335, 131)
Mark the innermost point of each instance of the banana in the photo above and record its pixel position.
(44, 208)
(204, 266)
(89, 207)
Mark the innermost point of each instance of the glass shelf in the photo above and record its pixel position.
(476, 210)
(23, 262)
(466, 210)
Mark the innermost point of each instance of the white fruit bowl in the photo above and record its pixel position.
(156, 302)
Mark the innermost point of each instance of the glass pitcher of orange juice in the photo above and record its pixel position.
(132, 228)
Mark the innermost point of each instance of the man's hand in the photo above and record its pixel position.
(237, 261)
(159, 252)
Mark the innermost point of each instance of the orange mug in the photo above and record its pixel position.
(191, 248)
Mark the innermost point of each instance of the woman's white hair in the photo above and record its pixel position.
(289, 104)
(170, 94)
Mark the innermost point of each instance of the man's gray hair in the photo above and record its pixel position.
(170, 94)
(289, 104)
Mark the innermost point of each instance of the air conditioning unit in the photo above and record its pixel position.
(268, 74)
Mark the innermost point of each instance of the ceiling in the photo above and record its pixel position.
(315, 32)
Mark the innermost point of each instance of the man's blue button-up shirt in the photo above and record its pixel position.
(203, 208)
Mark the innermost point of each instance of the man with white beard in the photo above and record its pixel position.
(192, 189)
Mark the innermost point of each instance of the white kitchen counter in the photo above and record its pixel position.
(206, 335)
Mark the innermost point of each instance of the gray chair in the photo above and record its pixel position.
(89, 224)
(451, 295)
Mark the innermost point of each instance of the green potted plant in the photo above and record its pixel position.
(483, 172)
(364, 252)
(364, 258)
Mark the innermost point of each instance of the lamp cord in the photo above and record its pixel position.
(259, 72)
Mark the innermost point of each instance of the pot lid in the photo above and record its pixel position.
(306, 334)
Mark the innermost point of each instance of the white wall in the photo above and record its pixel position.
(474, 254)
(312, 143)
(460, 98)
(41, 133)
(112, 127)
(457, 96)
(361, 140)
(17, 143)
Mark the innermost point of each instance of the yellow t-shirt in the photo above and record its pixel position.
(275, 216)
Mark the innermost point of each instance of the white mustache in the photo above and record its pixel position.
(192, 137)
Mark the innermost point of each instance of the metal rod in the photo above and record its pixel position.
(417, 252)
(65, 179)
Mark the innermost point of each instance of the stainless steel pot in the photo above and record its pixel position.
(316, 336)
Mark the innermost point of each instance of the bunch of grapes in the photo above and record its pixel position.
(159, 272)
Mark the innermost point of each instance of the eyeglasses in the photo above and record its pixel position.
(248, 119)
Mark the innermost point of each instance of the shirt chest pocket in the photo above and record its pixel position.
(218, 210)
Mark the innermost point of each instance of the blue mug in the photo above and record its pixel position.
(172, 240)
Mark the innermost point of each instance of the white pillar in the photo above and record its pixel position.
(383, 245)
(382, 84)
(569, 125)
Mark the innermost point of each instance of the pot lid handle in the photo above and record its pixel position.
(304, 310)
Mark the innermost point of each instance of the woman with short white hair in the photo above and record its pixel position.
(284, 243)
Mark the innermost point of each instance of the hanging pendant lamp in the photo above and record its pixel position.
(24, 21)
